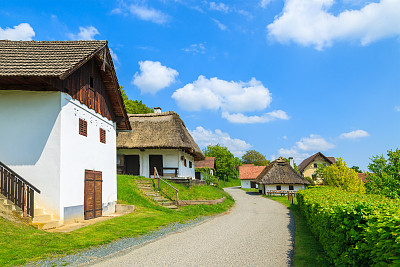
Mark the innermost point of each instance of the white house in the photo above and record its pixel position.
(158, 140)
(248, 174)
(208, 164)
(279, 175)
(60, 109)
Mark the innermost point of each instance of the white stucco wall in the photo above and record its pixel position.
(245, 183)
(171, 159)
(80, 153)
(30, 141)
(285, 187)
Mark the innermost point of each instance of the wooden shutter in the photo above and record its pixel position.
(82, 127)
(102, 136)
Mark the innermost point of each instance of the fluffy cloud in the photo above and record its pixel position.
(148, 14)
(267, 117)
(196, 49)
(219, 7)
(220, 25)
(114, 57)
(85, 33)
(232, 98)
(264, 3)
(354, 134)
(310, 23)
(204, 137)
(298, 156)
(153, 76)
(21, 32)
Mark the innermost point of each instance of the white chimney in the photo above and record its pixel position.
(291, 162)
(157, 110)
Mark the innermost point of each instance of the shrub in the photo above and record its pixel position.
(354, 229)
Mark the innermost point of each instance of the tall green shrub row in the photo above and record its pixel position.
(354, 229)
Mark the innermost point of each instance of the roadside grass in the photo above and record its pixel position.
(20, 244)
(308, 251)
(250, 189)
(230, 183)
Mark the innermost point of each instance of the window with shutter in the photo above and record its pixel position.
(82, 127)
(102, 136)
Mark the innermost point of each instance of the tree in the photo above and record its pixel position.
(357, 169)
(134, 106)
(341, 176)
(384, 178)
(254, 157)
(225, 161)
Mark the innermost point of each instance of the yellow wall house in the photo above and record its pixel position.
(310, 165)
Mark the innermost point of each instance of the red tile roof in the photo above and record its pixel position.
(249, 171)
(209, 162)
(362, 176)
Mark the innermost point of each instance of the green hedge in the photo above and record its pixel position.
(354, 229)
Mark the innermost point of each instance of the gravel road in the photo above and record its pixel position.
(256, 232)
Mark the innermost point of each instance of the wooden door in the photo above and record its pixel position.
(156, 161)
(93, 194)
(132, 165)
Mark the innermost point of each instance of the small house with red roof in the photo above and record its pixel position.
(248, 174)
(207, 164)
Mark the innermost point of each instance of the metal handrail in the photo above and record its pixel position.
(157, 176)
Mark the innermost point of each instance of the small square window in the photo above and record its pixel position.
(102, 136)
(278, 187)
(82, 127)
(291, 187)
(315, 165)
(190, 164)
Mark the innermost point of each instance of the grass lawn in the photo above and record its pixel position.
(308, 251)
(230, 183)
(20, 244)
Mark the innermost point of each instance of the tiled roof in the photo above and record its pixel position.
(209, 162)
(308, 160)
(249, 171)
(44, 58)
(362, 176)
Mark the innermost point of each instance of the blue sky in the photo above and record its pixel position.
(286, 78)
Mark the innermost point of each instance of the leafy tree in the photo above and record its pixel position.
(357, 169)
(254, 157)
(134, 106)
(384, 178)
(341, 176)
(225, 161)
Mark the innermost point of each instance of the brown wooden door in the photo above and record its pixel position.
(93, 195)
(156, 161)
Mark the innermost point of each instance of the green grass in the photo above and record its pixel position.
(250, 189)
(230, 183)
(20, 244)
(308, 251)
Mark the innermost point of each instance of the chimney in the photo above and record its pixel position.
(291, 162)
(157, 110)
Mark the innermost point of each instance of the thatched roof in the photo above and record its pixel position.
(163, 130)
(280, 172)
(308, 160)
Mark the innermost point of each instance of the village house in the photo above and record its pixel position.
(308, 166)
(207, 165)
(159, 140)
(280, 175)
(248, 174)
(60, 109)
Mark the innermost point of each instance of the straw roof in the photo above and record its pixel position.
(163, 130)
(280, 172)
(308, 160)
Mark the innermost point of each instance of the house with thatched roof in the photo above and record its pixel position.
(60, 109)
(208, 164)
(309, 166)
(158, 140)
(248, 174)
(280, 175)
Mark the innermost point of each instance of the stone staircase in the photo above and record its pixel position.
(44, 220)
(147, 187)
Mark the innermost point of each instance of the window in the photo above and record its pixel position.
(291, 187)
(190, 164)
(102, 136)
(278, 187)
(91, 82)
(184, 162)
(82, 127)
(315, 165)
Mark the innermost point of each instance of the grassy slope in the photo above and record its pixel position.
(308, 251)
(20, 244)
(230, 183)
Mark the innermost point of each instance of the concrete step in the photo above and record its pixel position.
(46, 225)
(42, 218)
(167, 203)
(171, 207)
(39, 211)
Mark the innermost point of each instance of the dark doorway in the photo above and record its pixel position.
(132, 165)
(156, 161)
(253, 184)
(93, 204)
(197, 175)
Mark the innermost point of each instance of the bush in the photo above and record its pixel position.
(354, 229)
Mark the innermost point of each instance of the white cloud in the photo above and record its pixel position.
(196, 49)
(114, 57)
(220, 25)
(397, 108)
(204, 137)
(148, 14)
(309, 23)
(267, 117)
(153, 77)
(354, 134)
(219, 7)
(314, 142)
(85, 33)
(21, 32)
(298, 157)
(264, 3)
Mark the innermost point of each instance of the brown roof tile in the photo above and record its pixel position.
(249, 171)
(209, 162)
